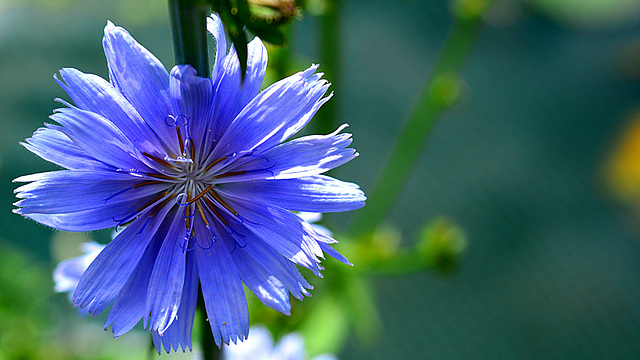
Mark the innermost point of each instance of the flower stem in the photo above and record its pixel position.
(440, 94)
(210, 350)
(189, 30)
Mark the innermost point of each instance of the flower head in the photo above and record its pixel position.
(200, 178)
(260, 346)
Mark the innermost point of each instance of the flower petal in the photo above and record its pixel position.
(191, 97)
(179, 333)
(269, 275)
(165, 291)
(275, 114)
(69, 191)
(282, 230)
(305, 156)
(215, 28)
(51, 144)
(98, 137)
(129, 306)
(94, 94)
(224, 297)
(140, 77)
(317, 193)
(231, 93)
(108, 273)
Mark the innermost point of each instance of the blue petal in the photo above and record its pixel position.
(192, 97)
(231, 94)
(305, 156)
(98, 137)
(129, 306)
(215, 27)
(69, 191)
(275, 114)
(51, 144)
(108, 273)
(93, 93)
(224, 297)
(81, 197)
(314, 193)
(269, 275)
(179, 333)
(140, 77)
(165, 291)
(282, 230)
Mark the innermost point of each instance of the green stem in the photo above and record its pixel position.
(439, 95)
(330, 24)
(210, 350)
(189, 30)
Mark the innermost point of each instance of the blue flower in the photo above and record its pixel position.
(199, 176)
(69, 271)
(260, 346)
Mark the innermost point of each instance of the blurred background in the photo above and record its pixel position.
(538, 164)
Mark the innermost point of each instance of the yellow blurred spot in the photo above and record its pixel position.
(623, 169)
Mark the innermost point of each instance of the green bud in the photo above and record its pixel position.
(441, 244)
(445, 89)
(469, 9)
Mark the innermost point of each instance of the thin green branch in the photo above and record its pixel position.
(440, 94)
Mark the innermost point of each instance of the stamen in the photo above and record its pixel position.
(215, 211)
(179, 135)
(226, 206)
(118, 193)
(188, 237)
(192, 148)
(160, 176)
(144, 225)
(159, 206)
(188, 214)
(230, 174)
(201, 211)
(184, 201)
(202, 193)
(170, 120)
(213, 239)
(179, 159)
(237, 243)
(153, 201)
(213, 163)
(148, 182)
(158, 160)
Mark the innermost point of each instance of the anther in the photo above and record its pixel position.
(148, 182)
(202, 193)
(226, 206)
(232, 173)
(201, 211)
(213, 163)
(215, 211)
(159, 176)
(158, 160)
(152, 201)
(179, 135)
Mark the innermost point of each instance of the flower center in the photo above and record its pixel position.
(190, 179)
